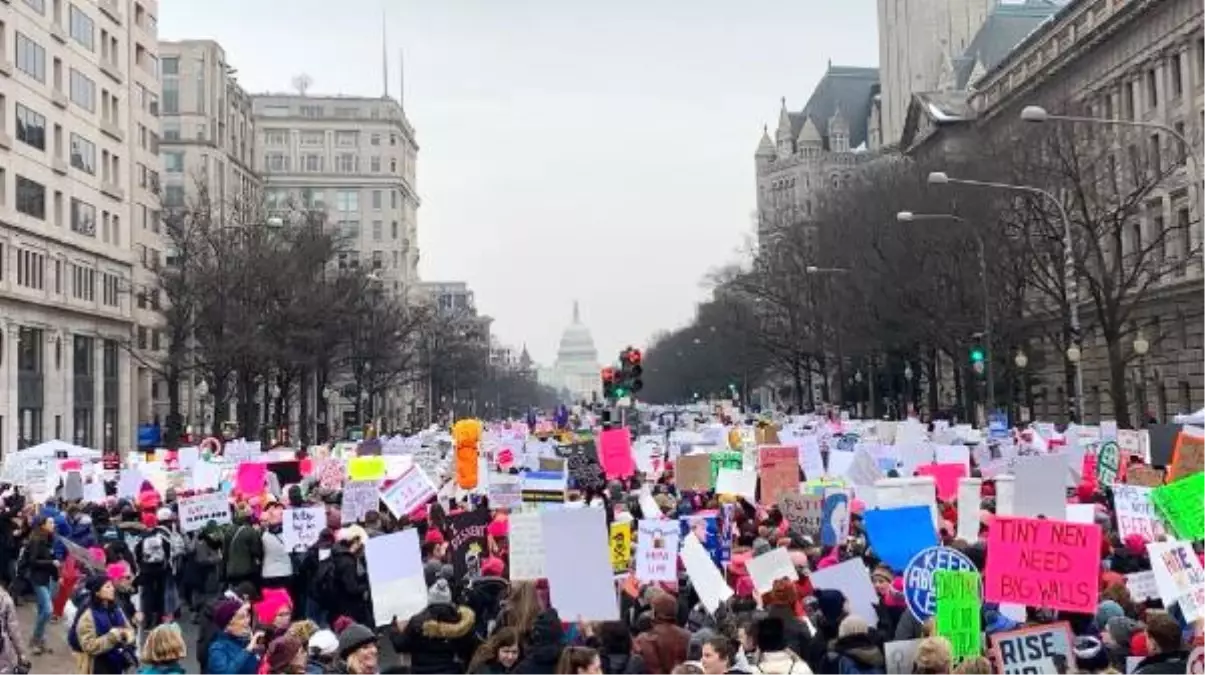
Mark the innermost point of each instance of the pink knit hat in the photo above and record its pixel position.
(274, 599)
(118, 570)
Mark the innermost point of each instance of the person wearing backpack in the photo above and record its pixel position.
(244, 551)
(101, 637)
(153, 553)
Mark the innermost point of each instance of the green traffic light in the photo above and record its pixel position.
(620, 392)
(977, 355)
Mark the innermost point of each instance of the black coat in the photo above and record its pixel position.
(439, 639)
(350, 587)
(39, 560)
(1171, 662)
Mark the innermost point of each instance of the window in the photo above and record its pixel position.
(347, 200)
(1156, 154)
(375, 139)
(393, 230)
(173, 161)
(173, 195)
(155, 340)
(313, 138)
(58, 277)
(110, 290)
(276, 137)
(376, 164)
(38, 6)
(312, 163)
(393, 166)
(83, 91)
(82, 29)
(1184, 225)
(83, 283)
(171, 96)
(312, 111)
(378, 260)
(376, 200)
(31, 269)
(31, 58)
(170, 65)
(1157, 235)
(1152, 88)
(377, 230)
(347, 112)
(350, 228)
(346, 163)
(1177, 75)
(1181, 151)
(1127, 101)
(83, 154)
(83, 217)
(276, 161)
(31, 127)
(1136, 239)
(31, 198)
(347, 139)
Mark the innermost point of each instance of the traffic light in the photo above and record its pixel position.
(632, 370)
(608, 382)
(978, 356)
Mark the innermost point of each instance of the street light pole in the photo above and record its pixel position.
(1038, 114)
(910, 217)
(1070, 280)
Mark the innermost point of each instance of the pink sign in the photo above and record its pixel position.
(250, 477)
(506, 459)
(615, 453)
(1043, 563)
(946, 476)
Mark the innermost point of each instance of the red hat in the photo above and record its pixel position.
(492, 567)
(1085, 491)
(1138, 644)
(1135, 543)
(498, 528)
(434, 536)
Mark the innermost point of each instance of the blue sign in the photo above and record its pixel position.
(997, 425)
(898, 534)
(847, 442)
(148, 435)
(918, 578)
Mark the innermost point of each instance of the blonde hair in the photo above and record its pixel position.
(933, 655)
(852, 625)
(302, 630)
(164, 644)
(975, 665)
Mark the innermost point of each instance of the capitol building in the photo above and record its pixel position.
(576, 371)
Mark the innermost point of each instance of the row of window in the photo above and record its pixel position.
(31, 201)
(314, 111)
(343, 138)
(31, 274)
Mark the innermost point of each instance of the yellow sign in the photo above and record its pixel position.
(621, 547)
(366, 468)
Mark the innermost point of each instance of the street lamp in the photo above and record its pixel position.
(910, 217)
(812, 269)
(1141, 345)
(1038, 114)
(1021, 359)
(1069, 275)
(202, 391)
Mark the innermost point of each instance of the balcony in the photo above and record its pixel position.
(58, 98)
(59, 165)
(6, 67)
(112, 190)
(56, 32)
(111, 70)
(109, 7)
(110, 128)
(6, 141)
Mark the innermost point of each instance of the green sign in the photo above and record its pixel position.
(1181, 504)
(1108, 463)
(958, 611)
(725, 460)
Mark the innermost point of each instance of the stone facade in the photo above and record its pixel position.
(1139, 61)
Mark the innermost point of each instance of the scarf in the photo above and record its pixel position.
(106, 617)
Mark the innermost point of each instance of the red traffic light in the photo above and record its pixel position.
(608, 374)
(634, 356)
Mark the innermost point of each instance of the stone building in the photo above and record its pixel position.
(813, 148)
(79, 137)
(1135, 61)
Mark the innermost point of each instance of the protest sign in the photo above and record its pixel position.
(1181, 503)
(1043, 563)
(526, 546)
(359, 497)
(395, 576)
(704, 575)
(724, 460)
(1179, 577)
(946, 476)
(778, 471)
(330, 474)
(693, 472)
(736, 482)
(958, 610)
(621, 547)
(366, 468)
(1142, 585)
(851, 578)
(1108, 463)
(302, 526)
(543, 486)
(769, 567)
(1135, 513)
(467, 545)
(918, 490)
(968, 509)
(1141, 474)
(250, 476)
(901, 655)
(898, 534)
(410, 491)
(803, 512)
(580, 582)
(583, 467)
(657, 551)
(1188, 454)
(1044, 479)
(835, 518)
(195, 512)
(1038, 649)
(615, 452)
(505, 491)
(918, 578)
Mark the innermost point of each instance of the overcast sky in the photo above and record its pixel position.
(569, 149)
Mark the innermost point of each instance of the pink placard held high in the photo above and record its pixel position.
(615, 453)
(1043, 563)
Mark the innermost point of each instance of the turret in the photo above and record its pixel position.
(765, 149)
(786, 145)
(838, 132)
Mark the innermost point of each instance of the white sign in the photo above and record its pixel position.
(302, 526)
(527, 546)
(1142, 586)
(1136, 514)
(409, 492)
(657, 550)
(195, 512)
(769, 567)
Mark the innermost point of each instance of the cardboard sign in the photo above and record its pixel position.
(195, 512)
(1043, 563)
(657, 551)
(693, 473)
(1179, 577)
(958, 610)
(615, 452)
(302, 526)
(359, 497)
(1181, 503)
(621, 547)
(467, 545)
(1108, 463)
(778, 471)
(408, 492)
(803, 512)
(898, 534)
(1135, 513)
(1038, 649)
(1188, 454)
(1141, 474)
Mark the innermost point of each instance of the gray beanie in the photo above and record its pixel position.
(439, 593)
(354, 637)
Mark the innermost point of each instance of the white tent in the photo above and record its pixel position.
(52, 449)
(1197, 418)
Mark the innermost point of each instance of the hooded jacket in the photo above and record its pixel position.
(244, 551)
(228, 654)
(350, 586)
(484, 597)
(856, 654)
(544, 649)
(665, 645)
(439, 639)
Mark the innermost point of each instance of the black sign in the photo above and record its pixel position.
(583, 466)
(468, 545)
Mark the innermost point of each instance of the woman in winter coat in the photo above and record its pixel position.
(235, 650)
(544, 646)
(43, 575)
(439, 639)
(12, 653)
(350, 584)
(107, 642)
(613, 640)
(855, 649)
(498, 655)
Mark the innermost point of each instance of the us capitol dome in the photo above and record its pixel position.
(576, 368)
